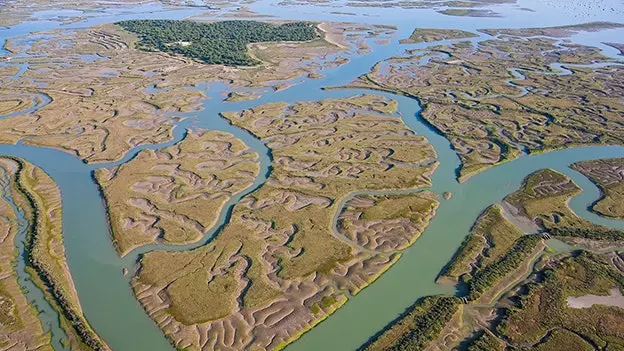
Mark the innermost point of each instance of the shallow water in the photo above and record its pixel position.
(48, 315)
(105, 294)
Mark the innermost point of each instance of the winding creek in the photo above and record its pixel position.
(48, 315)
(105, 294)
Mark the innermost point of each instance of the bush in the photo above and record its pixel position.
(214, 43)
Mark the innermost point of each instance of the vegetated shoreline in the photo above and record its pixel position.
(342, 205)
(20, 317)
(602, 194)
(195, 39)
(69, 317)
(210, 228)
(369, 279)
(503, 277)
(463, 177)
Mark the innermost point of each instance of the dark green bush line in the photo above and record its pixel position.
(214, 43)
(588, 233)
(487, 277)
(469, 247)
(429, 325)
(486, 342)
(85, 333)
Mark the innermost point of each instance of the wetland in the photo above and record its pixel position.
(309, 172)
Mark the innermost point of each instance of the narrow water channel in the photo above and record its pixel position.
(105, 294)
(48, 315)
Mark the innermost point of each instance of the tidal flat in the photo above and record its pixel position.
(608, 174)
(103, 97)
(278, 258)
(244, 198)
(35, 197)
(496, 99)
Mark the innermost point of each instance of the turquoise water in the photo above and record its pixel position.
(105, 294)
(48, 316)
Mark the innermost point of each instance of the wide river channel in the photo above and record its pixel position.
(105, 294)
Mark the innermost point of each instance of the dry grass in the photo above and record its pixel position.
(491, 237)
(544, 307)
(19, 324)
(491, 113)
(175, 194)
(544, 197)
(499, 232)
(427, 35)
(608, 175)
(387, 223)
(280, 244)
(37, 194)
(102, 105)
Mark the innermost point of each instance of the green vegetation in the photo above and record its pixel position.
(543, 307)
(561, 339)
(398, 220)
(38, 196)
(214, 43)
(19, 325)
(423, 323)
(486, 342)
(461, 262)
(186, 207)
(608, 175)
(519, 297)
(491, 238)
(544, 197)
(517, 254)
(428, 35)
(588, 233)
(476, 95)
(277, 255)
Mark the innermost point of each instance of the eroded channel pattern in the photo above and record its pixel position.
(387, 223)
(279, 266)
(174, 195)
(39, 199)
(608, 174)
(500, 97)
(516, 291)
(106, 97)
(19, 326)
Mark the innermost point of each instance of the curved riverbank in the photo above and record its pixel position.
(112, 308)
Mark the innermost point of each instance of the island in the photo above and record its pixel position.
(33, 192)
(174, 195)
(495, 106)
(279, 258)
(608, 175)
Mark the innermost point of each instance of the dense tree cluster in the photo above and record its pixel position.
(214, 43)
(486, 278)
(588, 233)
(486, 342)
(429, 325)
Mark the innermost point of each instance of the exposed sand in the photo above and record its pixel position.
(615, 299)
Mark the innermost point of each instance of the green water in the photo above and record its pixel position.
(105, 294)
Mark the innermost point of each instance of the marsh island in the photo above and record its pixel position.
(311, 175)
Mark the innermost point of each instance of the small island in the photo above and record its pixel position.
(608, 175)
(222, 42)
